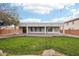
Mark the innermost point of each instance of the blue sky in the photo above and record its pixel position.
(43, 12)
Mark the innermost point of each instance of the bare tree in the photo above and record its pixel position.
(8, 15)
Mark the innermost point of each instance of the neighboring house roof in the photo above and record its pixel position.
(75, 19)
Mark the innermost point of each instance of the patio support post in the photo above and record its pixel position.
(27, 29)
(53, 29)
(45, 30)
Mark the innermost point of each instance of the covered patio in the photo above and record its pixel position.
(40, 28)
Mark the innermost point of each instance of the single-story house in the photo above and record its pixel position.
(33, 28)
(41, 28)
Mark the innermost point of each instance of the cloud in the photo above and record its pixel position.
(43, 7)
(38, 8)
(60, 20)
(75, 12)
(64, 19)
(30, 20)
(40, 1)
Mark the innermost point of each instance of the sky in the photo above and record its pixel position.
(46, 11)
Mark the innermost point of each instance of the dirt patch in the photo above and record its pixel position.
(51, 52)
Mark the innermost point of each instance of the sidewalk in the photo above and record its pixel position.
(71, 35)
(12, 35)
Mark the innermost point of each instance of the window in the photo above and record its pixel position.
(36, 29)
(40, 29)
(67, 23)
(56, 29)
(31, 29)
(72, 22)
(49, 29)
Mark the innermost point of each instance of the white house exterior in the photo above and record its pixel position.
(41, 28)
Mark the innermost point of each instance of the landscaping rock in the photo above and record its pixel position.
(1, 52)
(51, 52)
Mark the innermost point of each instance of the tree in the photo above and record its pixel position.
(8, 15)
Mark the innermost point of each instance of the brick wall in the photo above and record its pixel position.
(72, 32)
(9, 31)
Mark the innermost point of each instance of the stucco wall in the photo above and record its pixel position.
(72, 26)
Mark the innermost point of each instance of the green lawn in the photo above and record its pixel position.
(28, 45)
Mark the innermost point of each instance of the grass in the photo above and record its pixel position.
(28, 45)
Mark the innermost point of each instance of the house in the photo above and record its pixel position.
(40, 28)
(33, 28)
(72, 27)
(43, 28)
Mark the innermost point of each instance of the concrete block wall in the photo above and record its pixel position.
(71, 32)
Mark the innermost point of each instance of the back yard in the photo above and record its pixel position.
(29, 45)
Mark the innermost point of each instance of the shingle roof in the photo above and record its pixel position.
(75, 19)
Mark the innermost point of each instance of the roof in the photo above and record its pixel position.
(75, 19)
(40, 24)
